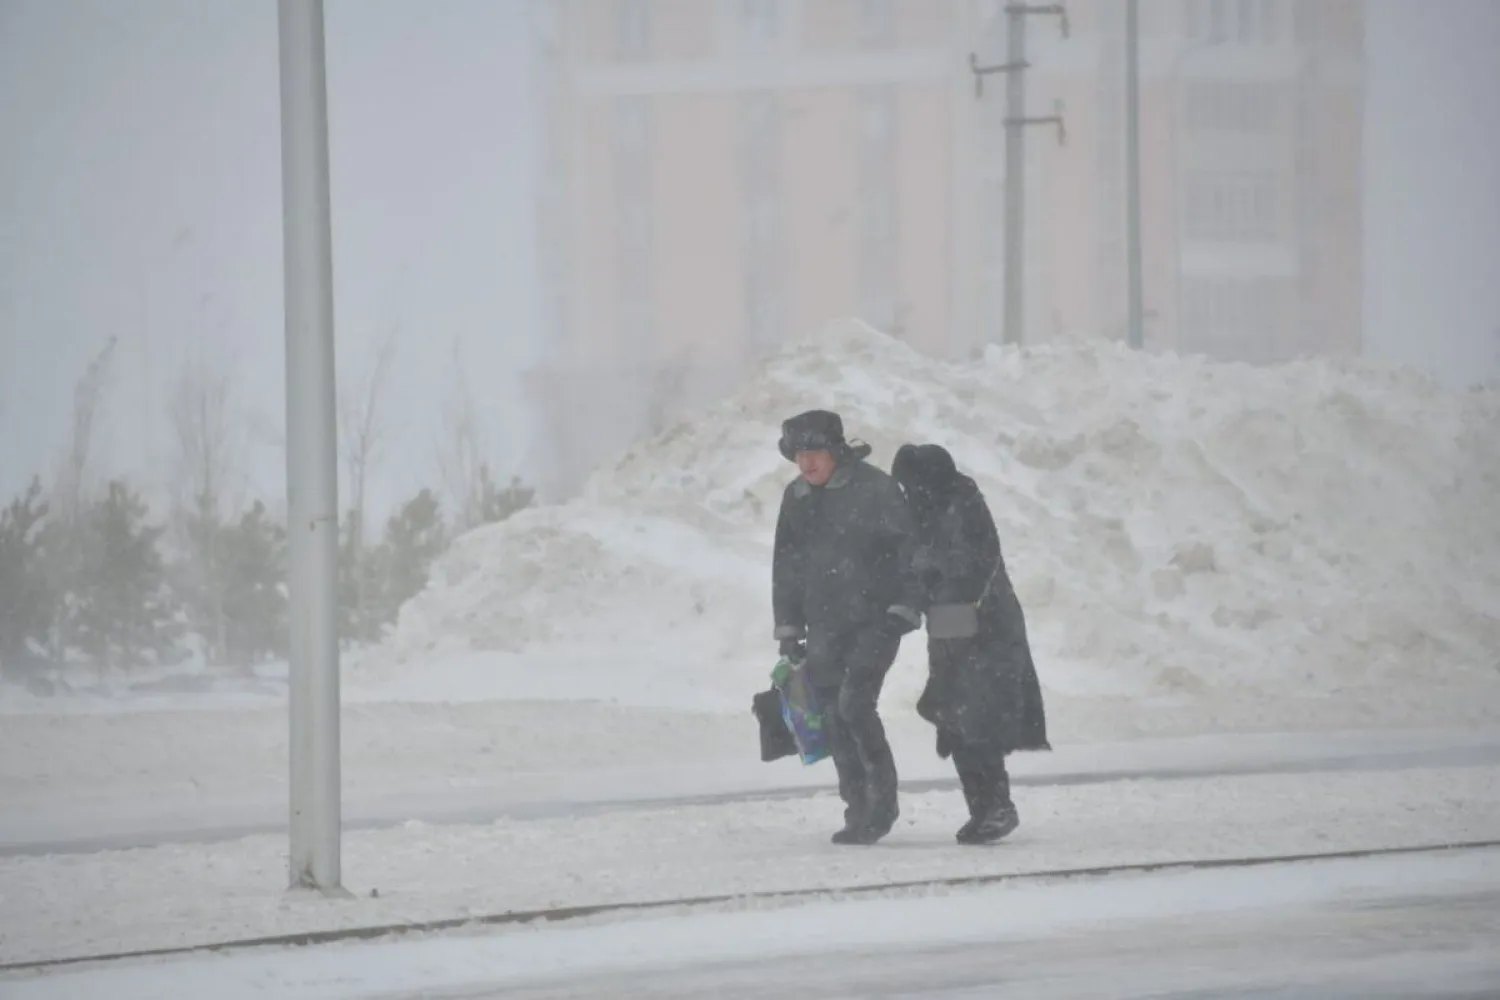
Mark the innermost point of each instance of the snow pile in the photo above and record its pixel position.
(1174, 526)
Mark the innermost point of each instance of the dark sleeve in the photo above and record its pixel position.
(894, 522)
(786, 575)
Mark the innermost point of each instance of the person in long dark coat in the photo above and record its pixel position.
(843, 596)
(982, 692)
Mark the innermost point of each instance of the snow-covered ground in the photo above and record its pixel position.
(1406, 927)
(118, 811)
(199, 893)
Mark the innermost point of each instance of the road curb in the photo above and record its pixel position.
(566, 913)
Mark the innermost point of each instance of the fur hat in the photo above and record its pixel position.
(814, 430)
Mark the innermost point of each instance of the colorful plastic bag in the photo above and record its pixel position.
(800, 710)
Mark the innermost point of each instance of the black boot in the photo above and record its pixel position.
(853, 779)
(884, 808)
(854, 823)
(973, 786)
(986, 783)
(999, 822)
(860, 723)
(878, 818)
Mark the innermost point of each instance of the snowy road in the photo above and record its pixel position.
(1408, 927)
(1403, 942)
(67, 824)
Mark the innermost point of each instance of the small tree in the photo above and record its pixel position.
(255, 556)
(362, 439)
(25, 601)
(121, 608)
(62, 558)
(202, 418)
(200, 576)
(459, 449)
(414, 536)
(496, 504)
(666, 391)
(361, 583)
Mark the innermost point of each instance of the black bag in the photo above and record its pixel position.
(776, 740)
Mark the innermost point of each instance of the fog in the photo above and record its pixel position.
(1229, 600)
(141, 201)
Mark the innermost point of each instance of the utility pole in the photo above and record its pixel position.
(1136, 298)
(1016, 121)
(311, 455)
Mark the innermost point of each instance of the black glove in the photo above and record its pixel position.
(794, 650)
(896, 625)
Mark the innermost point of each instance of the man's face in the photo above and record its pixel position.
(816, 466)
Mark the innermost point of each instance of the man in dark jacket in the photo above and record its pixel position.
(982, 691)
(843, 596)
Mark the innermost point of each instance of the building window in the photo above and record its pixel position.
(761, 226)
(632, 163)
(635, 226)
(1270, 22)
(877, 23)
(876, 121)
(630, 125)
(1220, 106)
(1305, 23)
(760, 154)
(1238, 207)
(632, 28)
(877, 207)
(878, 220)
(1206, 19)
(544, 24)
(1245, 22)
(758, 22)
(1233, 317)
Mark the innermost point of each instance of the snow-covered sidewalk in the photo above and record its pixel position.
(88, 772)
(196, 894)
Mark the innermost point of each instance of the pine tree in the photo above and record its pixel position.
(121, 608)
(25, 600)
(254, 552)
(414, 537)
(361, 578)
(496, 504)
(200, 578)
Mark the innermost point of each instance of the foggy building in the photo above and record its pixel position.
(716, 175)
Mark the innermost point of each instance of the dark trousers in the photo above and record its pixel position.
(856, 737)
(981, 771)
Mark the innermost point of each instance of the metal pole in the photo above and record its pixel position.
(1137, 334)
(1015, 174)
(311, 457)
(1179, 196)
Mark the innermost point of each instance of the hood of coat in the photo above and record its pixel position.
(929, 477)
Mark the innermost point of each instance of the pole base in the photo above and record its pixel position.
(326, 891)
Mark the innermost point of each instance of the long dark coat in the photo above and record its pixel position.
(980, 690)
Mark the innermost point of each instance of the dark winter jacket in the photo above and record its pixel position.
(843, 552)
(981, 688)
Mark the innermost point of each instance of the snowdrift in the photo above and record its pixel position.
(1176, 528)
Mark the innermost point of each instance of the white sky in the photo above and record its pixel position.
(140, 191)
